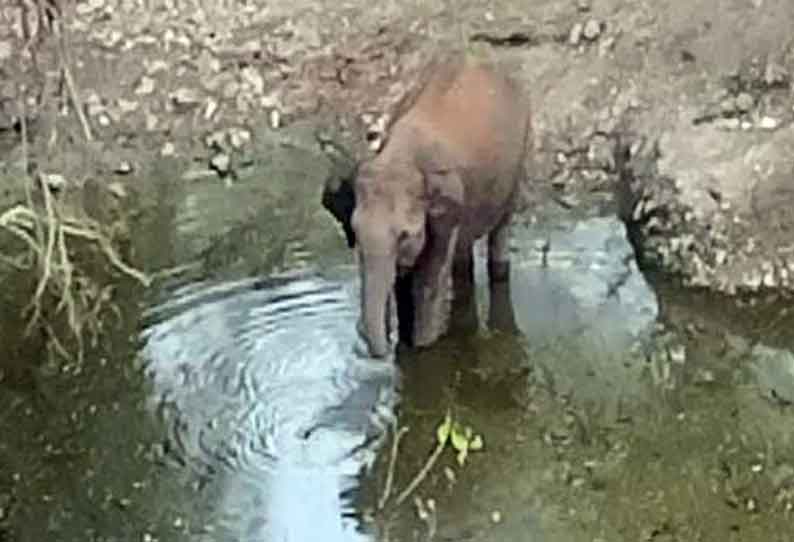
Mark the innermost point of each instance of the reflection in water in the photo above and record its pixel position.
(260, 386)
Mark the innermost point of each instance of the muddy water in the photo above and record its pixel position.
(232, 403)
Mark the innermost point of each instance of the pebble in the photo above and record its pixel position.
(185, 96)
(6, 50)
(575, 36)
(54, 181)
(168, 149)
(275, 118)
(254, 79)
(210, 109)
(220, 163)
(124, 168)
(744, 102)
(127, 106)
(775, 74)
(768, 123)
(583, 5)
(239, 137)
(146, 86)
(592, 29)
(728, 106)
(151, 122)
(156, 66)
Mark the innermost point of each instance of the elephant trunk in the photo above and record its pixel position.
(378, 276)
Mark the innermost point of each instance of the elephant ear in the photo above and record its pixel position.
(338, 196)
(443, 186)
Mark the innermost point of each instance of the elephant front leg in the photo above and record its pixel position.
(433, 288)
(499, 250)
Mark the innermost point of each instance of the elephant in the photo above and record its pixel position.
(448, 174)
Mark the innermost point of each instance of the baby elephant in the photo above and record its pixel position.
(448, 174)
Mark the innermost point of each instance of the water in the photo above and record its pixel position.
(231, 401)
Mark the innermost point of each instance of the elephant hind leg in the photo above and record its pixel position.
(463, 266)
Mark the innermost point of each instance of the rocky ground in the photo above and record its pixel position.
(706, 84)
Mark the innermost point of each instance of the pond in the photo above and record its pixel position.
(231, 401)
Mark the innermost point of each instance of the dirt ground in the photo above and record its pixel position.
(198, 81)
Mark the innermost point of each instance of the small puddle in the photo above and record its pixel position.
(238, 408)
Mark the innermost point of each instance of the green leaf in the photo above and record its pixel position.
(459, 440)
(476, 443)
(443, 430)
(462, 456)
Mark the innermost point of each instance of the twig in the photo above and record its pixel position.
(421, 475)
(70, 84)
(398, 435)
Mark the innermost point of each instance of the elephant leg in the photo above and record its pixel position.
(499, 249)
(500, 312)
(433, 286)
(464, 303)
(406, 311)
(463, 268)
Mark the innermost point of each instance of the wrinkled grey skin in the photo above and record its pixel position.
(448, 174)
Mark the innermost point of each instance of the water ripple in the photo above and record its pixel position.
(259, 379)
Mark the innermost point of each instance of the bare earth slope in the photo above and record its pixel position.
(199, 80)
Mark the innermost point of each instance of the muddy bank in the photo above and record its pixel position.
(714, 208)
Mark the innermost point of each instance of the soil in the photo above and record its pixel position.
(198, 81)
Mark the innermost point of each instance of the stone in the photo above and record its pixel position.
(6, 50)
(744, 102)
(768, 123)
(146, 86)
(185, 96)
(221, 163)
(591, 30)
(575, 35)
(253, 79)
(704, 201)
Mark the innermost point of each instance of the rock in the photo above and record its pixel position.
(198, 174)
(185, 96)
(151, 121)
(253, 79)
(221, 163)
(728, 106)
(713, 207)
(775, 75)
(768, 123)
(155, 66)
(239, 137)
(591, 30)
(117, 189)
(6, 50)
(168, 149)
(124, 168)
(146, 86)
(127, 106)
(275, 118)
(744, 102)
(211, 107)
(215, 140)
(575, 36)
(230, 90)
(54, 181)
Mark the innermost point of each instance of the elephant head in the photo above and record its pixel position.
(406, 208)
